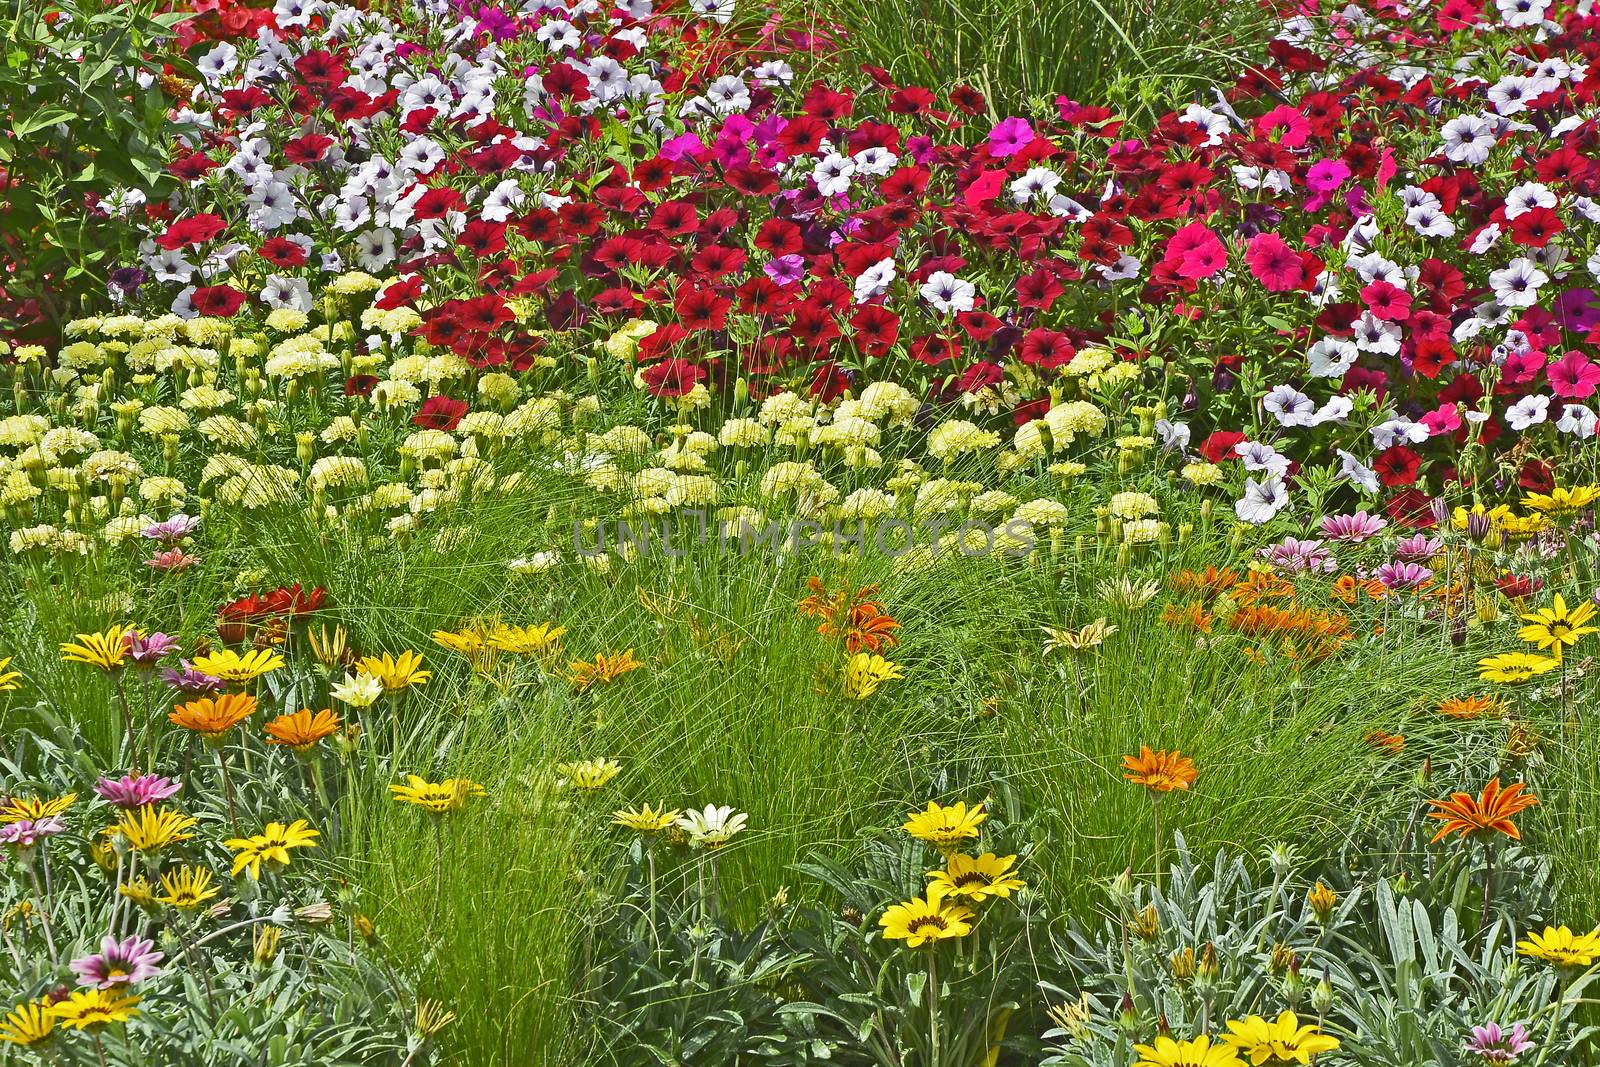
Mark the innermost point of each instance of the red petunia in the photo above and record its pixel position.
(439, 413)
(218, 301)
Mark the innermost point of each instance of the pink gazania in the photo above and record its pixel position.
(1573, 376)
(146, 650)
(172, 561)
(1352, 529)
(1396, 576)
(135, 792)
(25, 833)
(118, 963)
(171, 530)
(1491, 1044)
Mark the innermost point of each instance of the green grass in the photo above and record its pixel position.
(1134, 54)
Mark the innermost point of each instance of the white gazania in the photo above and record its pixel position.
(712, 827)
(359, 690)
(947, 293)
(1262, 500)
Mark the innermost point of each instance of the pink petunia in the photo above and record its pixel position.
(1275, 265)
(1573, 376)
(1292, 127)
(1196, 252)
(1009, 136)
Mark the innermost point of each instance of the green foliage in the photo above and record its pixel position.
(84, 110)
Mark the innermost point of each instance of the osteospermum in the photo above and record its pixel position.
(945, 827)
(1485, 815)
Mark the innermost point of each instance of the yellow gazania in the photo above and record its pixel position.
(588, 775)
(1282, 1041)
(1091, 636)
(526, 640)
(32, 809)
(437, 797)
(139, 891)
(1199, 1052)
(645, 820)
(93, 1007)
(865, 672)
(1561, 501)
(921, 920)
(152, 829)
(945, 827)
(28, 1023)
(469, 642)
(395, 672)
(271, 845)
(605, 669)
(214, 717)
(303, 729)
(1560, 946)
(106, 650)
(8, 678)
(978, 877)
(230, 666)
(1556, 627)
(187, 888)
(1508, 668)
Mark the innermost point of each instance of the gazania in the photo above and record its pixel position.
(588, 775)
(395, 672)
(712, 827)
(437, 797)
(151, 830)
(469, 642)
(9, 679)
(1090, 636)
(526, 640)
(1561, 501)
(865, 672)
(187, 888)
(945, 827)
(1282, 1041)
(212, 718)
(303, 729)
(605, 669)
(1160, 772)
(922, 920)
(106, 650)
(35, 809)
(118, 963)
(645, 820)
(1512, 667)
(28, 1023)
(978, 877)
(1471, 707)
(1199, 1052)
(1482, 816)
(231, 666)
(1556, 627)
(1560, 946)
(93, 1007)
(271, 845)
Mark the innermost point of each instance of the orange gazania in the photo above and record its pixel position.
(303, 729)
(1160, 772)
(1471, 707)
(1191, 616)
(1259, 586)
(1483, 816)
(1206, 584)
(214, 717)
(605, 669)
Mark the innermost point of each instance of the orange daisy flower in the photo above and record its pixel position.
(303, 729)
(1160, 772)
(1471, 707)
(1484, 815)
(212, 718)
